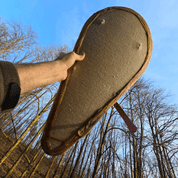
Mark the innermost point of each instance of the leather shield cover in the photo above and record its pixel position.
(118, 46)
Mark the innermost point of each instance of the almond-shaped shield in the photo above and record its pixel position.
(118, 46)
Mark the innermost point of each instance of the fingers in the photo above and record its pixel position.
(80, 57)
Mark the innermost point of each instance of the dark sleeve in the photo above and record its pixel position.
(9, 86)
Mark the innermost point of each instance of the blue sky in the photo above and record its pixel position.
(58, 22)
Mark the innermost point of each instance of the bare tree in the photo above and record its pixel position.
(101, 143)
(78, 156)
(146, 104)
(161, 119)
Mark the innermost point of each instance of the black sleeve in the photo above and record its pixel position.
(9, 86)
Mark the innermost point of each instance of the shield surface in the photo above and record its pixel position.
(117, 43)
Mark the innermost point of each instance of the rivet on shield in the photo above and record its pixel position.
(139, 46)
(101, 21)
(79, 133)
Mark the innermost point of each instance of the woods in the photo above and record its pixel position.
(109, 150)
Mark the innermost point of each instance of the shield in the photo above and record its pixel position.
(117, 43)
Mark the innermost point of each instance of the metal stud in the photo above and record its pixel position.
(101, 21)
(139, 46)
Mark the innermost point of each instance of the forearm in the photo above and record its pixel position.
(39, 74)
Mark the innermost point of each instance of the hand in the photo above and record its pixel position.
(66, 60)
(69, 58)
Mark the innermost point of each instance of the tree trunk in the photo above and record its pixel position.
(82, 162)
(101, 145)
(166, 159)
(74, 149)
(59, 164)
(135, 156)
(155, 148)
(78, 157)
(83, 172)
